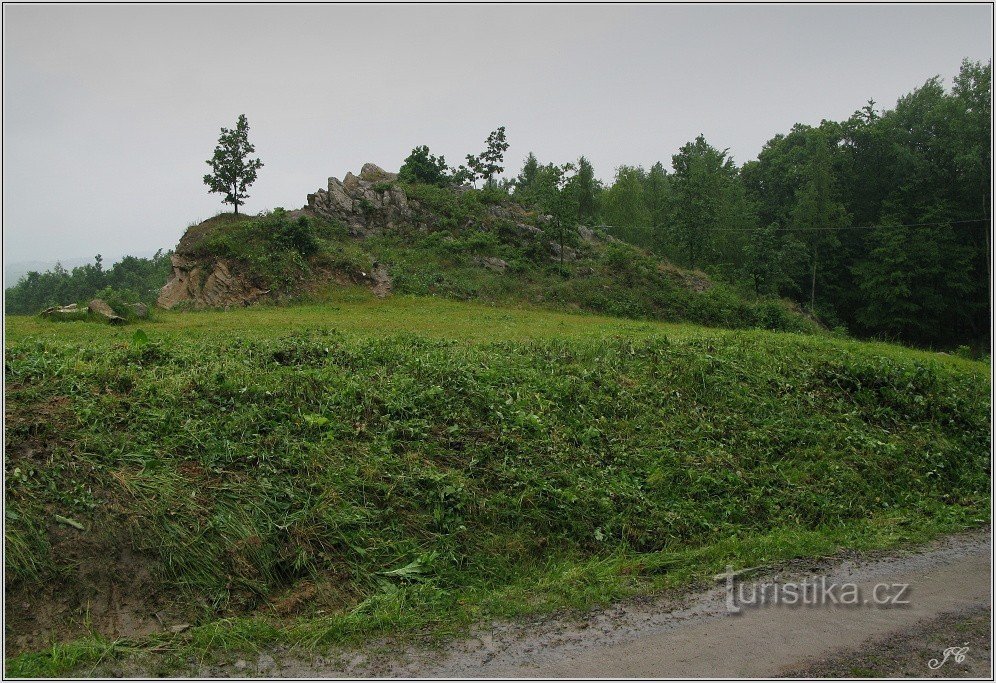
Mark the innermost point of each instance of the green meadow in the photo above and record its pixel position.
(319, 474)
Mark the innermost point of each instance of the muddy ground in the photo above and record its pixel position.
(918, 652)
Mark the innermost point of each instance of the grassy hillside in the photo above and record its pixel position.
(315, 474)
(479, 245)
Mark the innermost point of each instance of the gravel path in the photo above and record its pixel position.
(696, 634)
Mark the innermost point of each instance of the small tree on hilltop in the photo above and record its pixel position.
(232, 172)
(487, 164)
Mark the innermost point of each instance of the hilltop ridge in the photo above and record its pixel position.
(460, 242)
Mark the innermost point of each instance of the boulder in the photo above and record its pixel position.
(141, 310)
(382, 281)
(350, 183)
(527, 230)
(570, 254)
(70, 311)
(101, 308)
(372, 173)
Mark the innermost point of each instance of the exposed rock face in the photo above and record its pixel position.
(205, 284)
(381, 279)
(364, 203)
(570, 254)
(374, 174)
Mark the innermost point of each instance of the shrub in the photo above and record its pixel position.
(425, 168)
(293, 234)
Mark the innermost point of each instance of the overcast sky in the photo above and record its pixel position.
(111, 111)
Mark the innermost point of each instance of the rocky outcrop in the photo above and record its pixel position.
(202, 284)
(382, 284)
(367, 204)
(364, 203)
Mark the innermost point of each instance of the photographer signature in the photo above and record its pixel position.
(957, 652)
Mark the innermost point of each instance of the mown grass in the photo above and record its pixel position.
(421, 464)
(358, 314)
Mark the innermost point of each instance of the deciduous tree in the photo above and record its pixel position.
(232, 171)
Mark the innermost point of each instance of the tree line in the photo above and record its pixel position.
(132, 279)
(879, 223)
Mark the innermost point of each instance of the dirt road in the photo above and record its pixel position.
(696, 635)
(767, 641)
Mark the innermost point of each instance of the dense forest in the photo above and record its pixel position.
(878, 225)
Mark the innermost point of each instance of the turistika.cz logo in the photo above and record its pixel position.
(811, 592)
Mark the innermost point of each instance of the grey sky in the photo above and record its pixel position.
(110, 111)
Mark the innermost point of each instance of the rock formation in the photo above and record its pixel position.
(366, 204)
(201, 283)
(363, 203)
(70, 311)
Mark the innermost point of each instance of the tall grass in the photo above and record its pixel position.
(408, 480)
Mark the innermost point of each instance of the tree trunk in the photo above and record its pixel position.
(812, 287)
(561, 231)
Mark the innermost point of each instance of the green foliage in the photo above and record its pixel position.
(657, 191)
(540, 186)
(704, 180)
(273, 249)
(422, 167)
(614, 278)
(818, 216)
(914, 182)
(909, 274)
(624, 208)
(487, 164)
(297, 234)
(134, 279)
(434, 473)
(232, 171)
(772, 262)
